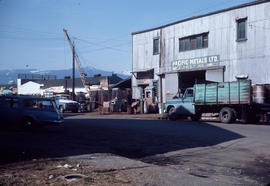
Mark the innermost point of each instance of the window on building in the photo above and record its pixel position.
(184, 44)
(149, 74)
(193, 42)
(156, 46)
(205, 41)
(241, 29)
(199, 42)
(155, 88)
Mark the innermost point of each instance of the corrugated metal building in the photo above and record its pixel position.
(29, 84)
(214, 47)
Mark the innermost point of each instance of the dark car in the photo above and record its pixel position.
(29, 111)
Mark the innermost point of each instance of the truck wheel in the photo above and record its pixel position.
(196, 117)
(226, 115)
(172, 114)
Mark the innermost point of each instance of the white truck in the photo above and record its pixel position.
(65, 103)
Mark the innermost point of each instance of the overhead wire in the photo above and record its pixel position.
(249, 23)
(9, 34)
(21, 29)
(30, 39)
(199, 11)
(103, 46)
(83, 61)
(90, 43)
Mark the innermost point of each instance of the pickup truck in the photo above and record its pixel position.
(64, 103)
(231, 100)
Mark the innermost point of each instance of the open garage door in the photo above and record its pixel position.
(188, 79)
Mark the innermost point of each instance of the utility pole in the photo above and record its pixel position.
(73, 71)
(77, 60)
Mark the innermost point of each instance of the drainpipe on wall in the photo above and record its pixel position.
(161, 106)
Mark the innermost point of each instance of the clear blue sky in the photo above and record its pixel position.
(31, 33)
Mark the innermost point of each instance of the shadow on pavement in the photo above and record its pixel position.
(129, 138)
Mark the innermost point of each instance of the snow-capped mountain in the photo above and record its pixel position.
(7, 76)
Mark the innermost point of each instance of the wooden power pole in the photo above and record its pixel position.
(73, 71)
(77, 61)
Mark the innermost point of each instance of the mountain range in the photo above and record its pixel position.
(10, 76)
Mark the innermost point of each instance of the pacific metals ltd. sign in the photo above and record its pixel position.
(194, 63)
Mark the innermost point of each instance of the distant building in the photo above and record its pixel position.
(37, 85)
(214, 47)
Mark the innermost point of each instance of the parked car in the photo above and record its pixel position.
(29, 111)
(65, 103)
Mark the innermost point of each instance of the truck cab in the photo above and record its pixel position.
(181, 105)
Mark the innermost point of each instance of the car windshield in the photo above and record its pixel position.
(33, 103)
(189, 93)
(65, 97)
(47, 103)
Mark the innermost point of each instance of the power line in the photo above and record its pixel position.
(100, 49)
(196, 12)
(21, 29)
(30, 39)
(103, 46)
(105, 40)
(65, 57)
(249, 23)
(81, 58)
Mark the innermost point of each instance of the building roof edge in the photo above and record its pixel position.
(203, 15)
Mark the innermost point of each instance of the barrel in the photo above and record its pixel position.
(258, 94)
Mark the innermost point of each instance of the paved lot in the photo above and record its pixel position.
(146, 151)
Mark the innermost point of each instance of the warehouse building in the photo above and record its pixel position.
(220, 46)
(35, 84)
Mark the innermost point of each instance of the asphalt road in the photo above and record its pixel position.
(193, 152)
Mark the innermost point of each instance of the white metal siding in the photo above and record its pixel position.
(171, 85)
(250, 57)
(29, 88)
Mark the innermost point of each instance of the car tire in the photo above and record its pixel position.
(226, 115)
(172, 114)
(28, 123)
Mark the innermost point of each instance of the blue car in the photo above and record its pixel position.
(29, 111)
